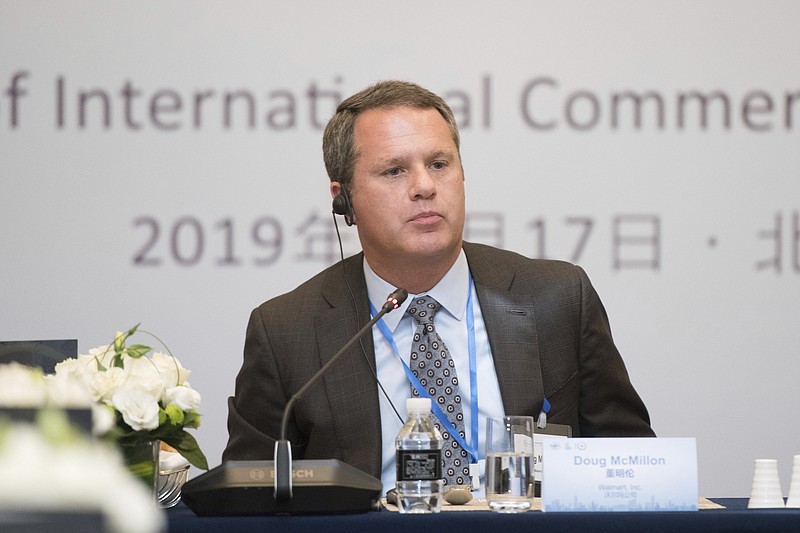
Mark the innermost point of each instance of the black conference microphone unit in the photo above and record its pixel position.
(237, 488)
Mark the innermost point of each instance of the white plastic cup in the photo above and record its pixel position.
(766, 491)
(794, 486)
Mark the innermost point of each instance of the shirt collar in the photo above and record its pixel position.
(451, 291)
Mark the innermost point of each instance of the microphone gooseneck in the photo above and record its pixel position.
(358, 319)
(283, 452)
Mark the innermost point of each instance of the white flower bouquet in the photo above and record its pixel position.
(136, 396)
(49, 466)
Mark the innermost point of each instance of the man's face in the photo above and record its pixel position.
(408, 186)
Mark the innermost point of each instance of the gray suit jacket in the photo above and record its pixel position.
(547, 329)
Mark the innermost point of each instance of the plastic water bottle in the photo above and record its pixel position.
(419, 461)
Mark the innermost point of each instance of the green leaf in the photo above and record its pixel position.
(191, 419)
(187, 446)
(137, 350)
(133, 329)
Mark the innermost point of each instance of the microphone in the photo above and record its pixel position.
(329, 486)
(283, 451)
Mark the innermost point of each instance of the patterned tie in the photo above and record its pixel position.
(432, 365)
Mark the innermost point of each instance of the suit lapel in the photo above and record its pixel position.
(511, 326)
(350, 385)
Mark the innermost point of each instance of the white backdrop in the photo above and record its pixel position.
(135, 187)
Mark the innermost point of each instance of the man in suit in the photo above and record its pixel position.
(526, 336)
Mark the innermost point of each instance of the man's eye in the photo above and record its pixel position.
(438, 165)
(393, 171)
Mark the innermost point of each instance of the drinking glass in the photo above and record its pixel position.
(509, 463)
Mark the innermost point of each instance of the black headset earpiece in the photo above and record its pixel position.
(342, 206)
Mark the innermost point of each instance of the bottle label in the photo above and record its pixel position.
(416, 465)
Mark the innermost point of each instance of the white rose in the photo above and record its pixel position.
(138, 407)
(76, 369)
(103, 419)
(68, 390)
(103, 384)
(103, 354)
(171, 370)
(21, 386)
(142, 374)
(186, 398)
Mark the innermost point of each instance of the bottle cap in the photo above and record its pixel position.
(418, 406)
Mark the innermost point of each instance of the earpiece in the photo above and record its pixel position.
(342, 206)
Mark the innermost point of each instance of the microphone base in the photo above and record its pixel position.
(246, 488)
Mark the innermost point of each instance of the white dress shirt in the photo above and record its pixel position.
(452, 293)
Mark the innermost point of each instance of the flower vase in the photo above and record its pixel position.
(141, 459)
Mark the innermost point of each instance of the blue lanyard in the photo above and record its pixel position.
(473, 379)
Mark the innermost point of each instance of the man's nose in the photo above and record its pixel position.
(423, 184)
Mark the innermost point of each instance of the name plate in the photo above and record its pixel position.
(619, 474)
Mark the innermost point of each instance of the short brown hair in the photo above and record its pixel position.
(338, 143)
